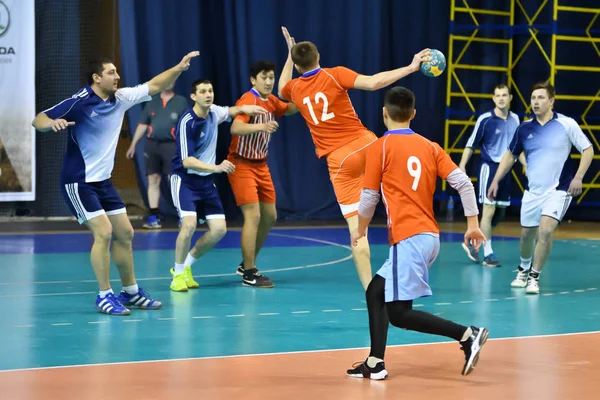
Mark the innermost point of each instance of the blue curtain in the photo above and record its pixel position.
(367, 36)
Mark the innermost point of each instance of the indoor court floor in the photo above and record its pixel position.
(226, 341)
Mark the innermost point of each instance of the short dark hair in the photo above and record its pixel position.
(199, 82)
(305, 54)
(502, 86)
(399, 103)
(259, 66)
(96, 66)
(545, 85)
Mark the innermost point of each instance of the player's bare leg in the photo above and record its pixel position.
(486, 220)
(217, 228)
(153, 190)
(249, 237)
(122, 251)
(542, 250)
(153, 201)
(100, 254)
(361, 254)
(527, 245)
(259, 218)
(487, 224)
(544, 243)
(268, 217)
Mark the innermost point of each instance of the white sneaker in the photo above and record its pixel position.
(533, 286)
(521, 279)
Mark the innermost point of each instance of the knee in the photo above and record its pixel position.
(375, 293)
(188, 227)
(527, 234)
(218, 231)
(545, 234)
(103, 234)
(269, 216)
(398, 318)
(252, 217)
(154, 180)
(124, 235)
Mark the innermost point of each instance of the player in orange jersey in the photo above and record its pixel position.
(405, 166)
(251, 182)
(321, 95)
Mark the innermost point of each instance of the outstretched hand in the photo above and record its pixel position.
(288, 39)
(184, 64)
(421, 57)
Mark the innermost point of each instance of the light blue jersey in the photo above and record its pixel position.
(547, 149)
(92, 142)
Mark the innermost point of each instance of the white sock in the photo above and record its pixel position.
(133, 289)
(189, 260)
(526, 263)
(179, 268)
(487, 248)
(467, 334)
(372, 361)
(104, 293)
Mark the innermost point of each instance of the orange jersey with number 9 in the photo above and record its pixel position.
(322, 98)
(404, 166)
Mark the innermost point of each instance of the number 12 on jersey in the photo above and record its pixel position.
(414, 169)
(318, 98)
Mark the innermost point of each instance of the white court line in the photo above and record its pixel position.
(291, 352)
(44, 294)
(322, 264)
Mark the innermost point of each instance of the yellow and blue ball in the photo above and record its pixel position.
(436, 64)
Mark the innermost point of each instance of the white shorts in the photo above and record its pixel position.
(553, 204)
(406, 271)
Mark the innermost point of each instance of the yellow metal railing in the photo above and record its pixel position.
(455, 128)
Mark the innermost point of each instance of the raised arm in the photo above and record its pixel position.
(163, 80)
(384, 79)
(288, 69)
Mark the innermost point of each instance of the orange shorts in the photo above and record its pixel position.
(346, 170)
(251, 182)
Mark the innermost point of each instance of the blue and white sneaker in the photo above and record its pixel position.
(141, 300)
(110, 305)
(491, 261)
(152, 222)
(471, 252)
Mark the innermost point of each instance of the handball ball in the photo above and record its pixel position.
(435, 66)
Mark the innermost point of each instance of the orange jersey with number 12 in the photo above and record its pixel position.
(322, 98)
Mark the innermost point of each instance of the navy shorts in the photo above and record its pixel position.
(487, 171)
(195, 195)
(87, 200)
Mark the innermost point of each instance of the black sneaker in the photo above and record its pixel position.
(472, 347)
(240, 270)
(362, 370)
(252, 277)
